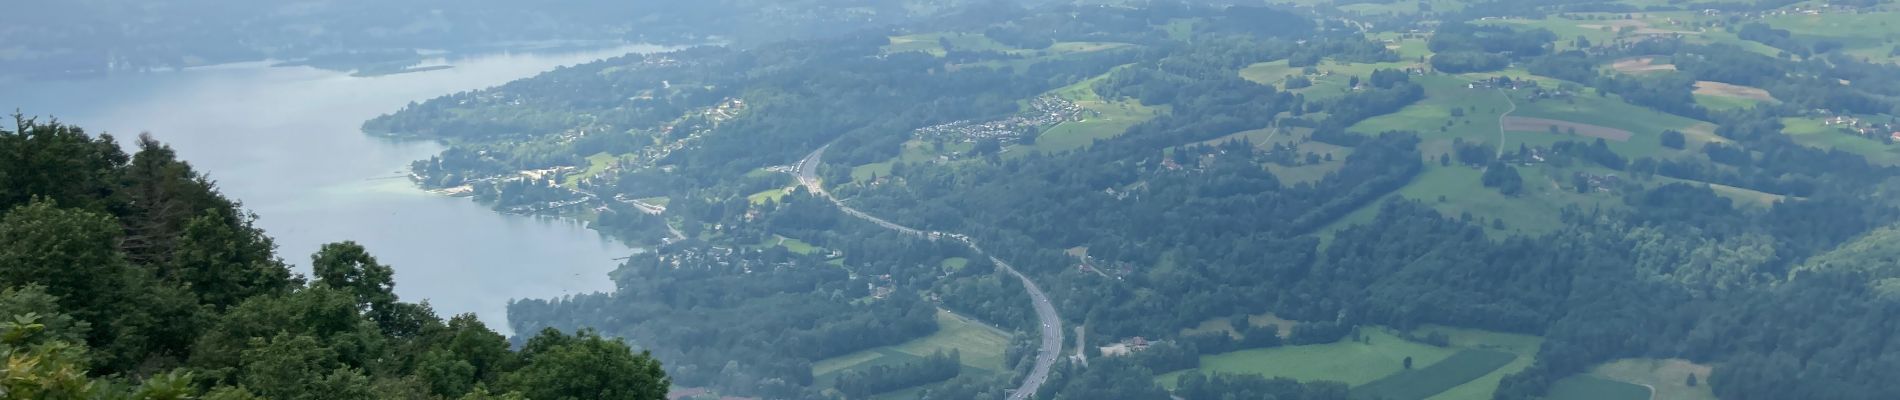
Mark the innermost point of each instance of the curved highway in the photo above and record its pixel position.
(807, 173)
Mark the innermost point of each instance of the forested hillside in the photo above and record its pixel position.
(1567, 199)
(128, 276)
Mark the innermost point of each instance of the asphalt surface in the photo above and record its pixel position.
(1051, 349)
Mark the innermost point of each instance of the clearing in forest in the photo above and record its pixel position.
(979, 346)
(1101, 118)
(1712, 88)
(1640, 65)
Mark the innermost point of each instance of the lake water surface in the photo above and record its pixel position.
(287, 143)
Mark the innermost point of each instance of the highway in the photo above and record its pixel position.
(807, 172)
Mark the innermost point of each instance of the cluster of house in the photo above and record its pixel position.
(1600, 183)
(1043, 111)
(1125, 347)
(726, 110)
(1869, 129)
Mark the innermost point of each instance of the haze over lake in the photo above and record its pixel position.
(287, 142)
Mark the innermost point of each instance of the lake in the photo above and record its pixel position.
(287, 143)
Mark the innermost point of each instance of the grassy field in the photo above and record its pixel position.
(1585, 387)
(1101, 119)
(1332, 76)
(932, 43)
(1419, 383)
(1524, 346)
(980, 347)
(1469, 369)
(1866, 35)
(1346, 361)
(1646, 124)
(1668, 377)
(790, 244)
(1812, 132)
(596, 163)
(763, 196)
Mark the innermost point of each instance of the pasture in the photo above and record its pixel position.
(1812, 132)
(1867, 35)
(1101, 119)
(1585, 387)
(768, 195)
(1528, 124)
(979, 346)
(1524, 346)
(1468, 369)
(1420, 383)
(1354, 363)
(1641, 65)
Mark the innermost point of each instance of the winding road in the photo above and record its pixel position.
(1051, 349)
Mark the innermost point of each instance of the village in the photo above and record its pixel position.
(1043, 111)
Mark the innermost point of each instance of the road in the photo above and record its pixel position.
(1051, 348)
(1501, 117)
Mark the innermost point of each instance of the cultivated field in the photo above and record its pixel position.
(1640, 65)
(1524, 346)
(1419, 383)
(1712, 88)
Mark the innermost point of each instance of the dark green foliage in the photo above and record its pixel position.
(162, 288)
(1220, 386)
(585, 366)
(1504, 177)
(1672, 139)
(884, 378)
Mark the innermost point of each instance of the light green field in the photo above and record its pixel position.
(596, 163)
(979, 346)
(1668, 377)
(1585, 387)
(1425, 381)
(1346, 361)
(932, 43)
(1479, 123)
(1331, 80)
(1535, 210)
(1646, 124)
(1524, 346)
(1101, 119)
(1812, 132)
(953, 264)
(863, 173)
(1723, 103)
(1867, 35)
(790, 244)
(768, 195)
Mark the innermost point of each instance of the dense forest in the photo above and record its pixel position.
(129, 276)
